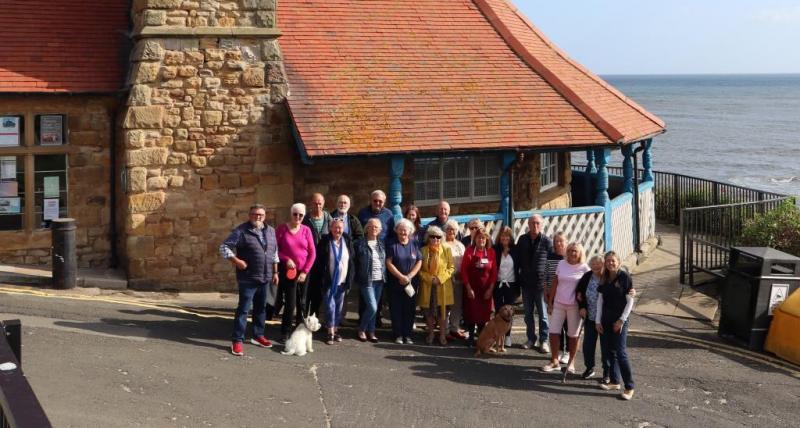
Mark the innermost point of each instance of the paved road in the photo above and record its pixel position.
(100, 363)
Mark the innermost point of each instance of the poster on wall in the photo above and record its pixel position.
(9, 189)
(51, 130)
(51, 187)
(8, 167)
(9, 131)
(50, 211)
(9, 205)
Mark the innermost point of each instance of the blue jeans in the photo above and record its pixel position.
(255, 294)
(614, 347)
(371, 293)
(402, 309)
(334, 305)
(590, 339)
(533, 298)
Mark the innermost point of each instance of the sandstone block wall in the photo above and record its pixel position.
(90, 122)
(205, 135)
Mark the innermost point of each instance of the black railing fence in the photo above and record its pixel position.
(19, 407)
(711, 215)
(708, 233)
(674, 192)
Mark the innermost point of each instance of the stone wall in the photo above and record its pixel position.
(205, 134)
(90, 123)
(527, 178)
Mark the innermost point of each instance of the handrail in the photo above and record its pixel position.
(19, 407)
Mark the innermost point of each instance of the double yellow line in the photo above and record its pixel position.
(204, 313)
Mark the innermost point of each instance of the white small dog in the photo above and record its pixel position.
(301, 339)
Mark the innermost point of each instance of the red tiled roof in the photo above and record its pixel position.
(393, 76)
(63, 46)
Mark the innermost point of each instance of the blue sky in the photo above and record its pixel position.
(673, 36)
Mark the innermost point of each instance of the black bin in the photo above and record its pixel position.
(758, 279)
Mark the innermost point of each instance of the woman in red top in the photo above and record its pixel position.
(478, 274)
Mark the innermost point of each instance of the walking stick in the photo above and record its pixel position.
(443, 318)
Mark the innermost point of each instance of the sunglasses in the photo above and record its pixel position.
(473, 228)
(436, 237)
(298, 214)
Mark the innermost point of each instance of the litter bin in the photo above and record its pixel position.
(758, 280)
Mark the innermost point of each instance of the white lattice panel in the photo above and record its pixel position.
(647, 209)
(492, 227)
(622, 229)
(587, 229)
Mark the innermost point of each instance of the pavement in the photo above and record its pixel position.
(111, 358)
(658, 287)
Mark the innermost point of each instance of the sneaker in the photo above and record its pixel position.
(398, 340)
(527, 345)
(564, 358)
(571, 369)
(627, 394)
(606, 380)
(330, 340)
(409, 341)
(508, 342)
(610, 386)
(545, 348)
(588, 374)
(337, 337)
(457, 335)
(550, 367)
(261, 341)
(236, 349)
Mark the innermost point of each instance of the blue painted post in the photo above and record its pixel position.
(590, 165)
(602, 156)
(591, 169)
(396, 186)
(647, 160)
(505, 189)
(627, 168)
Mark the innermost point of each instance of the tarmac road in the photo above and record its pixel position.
(122, 361)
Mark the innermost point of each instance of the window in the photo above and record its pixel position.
(33, 170)
(549, 170)
(456, 179)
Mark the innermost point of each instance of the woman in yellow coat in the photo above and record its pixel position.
(436, 288)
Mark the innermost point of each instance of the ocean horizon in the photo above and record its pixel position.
(742, 129)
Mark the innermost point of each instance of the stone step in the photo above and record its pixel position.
(89, 278)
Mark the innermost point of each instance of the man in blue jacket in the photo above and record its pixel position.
(253, 250)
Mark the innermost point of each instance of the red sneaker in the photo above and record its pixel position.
(236, 349)
(261, 341)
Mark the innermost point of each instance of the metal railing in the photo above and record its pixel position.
(19, 407)
(674, 192)
(708, 233)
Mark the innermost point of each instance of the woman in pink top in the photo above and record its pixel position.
(562, 305)
(296, 253)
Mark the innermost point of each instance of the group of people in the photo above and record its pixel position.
(307, 265)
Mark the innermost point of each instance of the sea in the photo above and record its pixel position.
(740, 129)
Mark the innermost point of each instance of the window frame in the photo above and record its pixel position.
(28, 150)
(440, 180)
(552, 169)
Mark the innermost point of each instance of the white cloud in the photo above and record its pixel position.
(783, 15)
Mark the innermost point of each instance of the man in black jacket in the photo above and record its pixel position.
(532, 250)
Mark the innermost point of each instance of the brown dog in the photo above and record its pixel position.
(492, 338)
